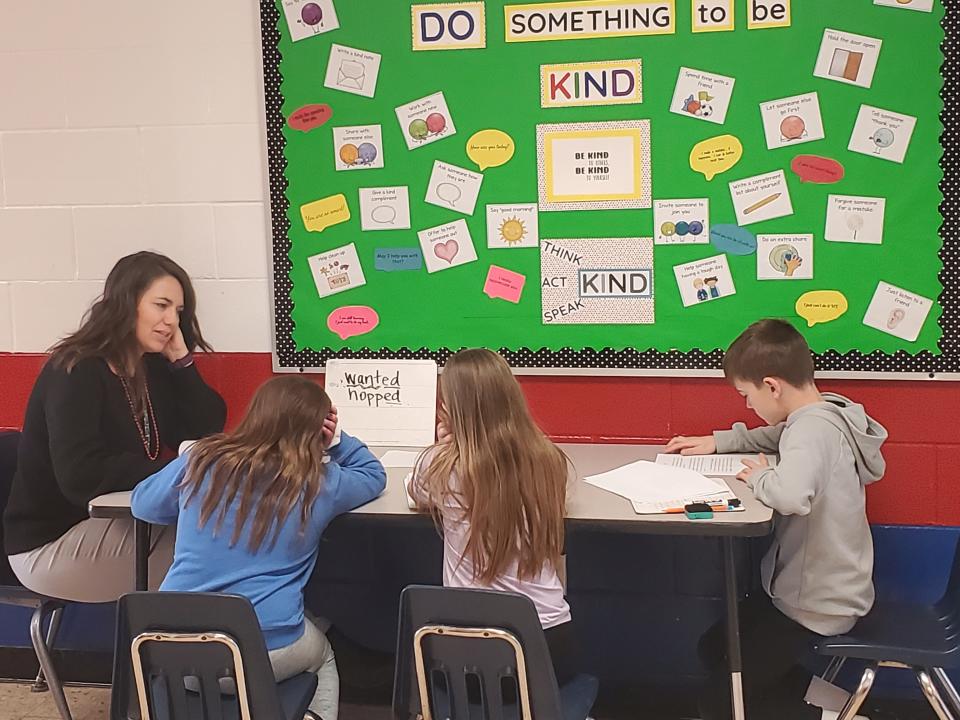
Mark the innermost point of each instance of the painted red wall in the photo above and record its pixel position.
(922, 485)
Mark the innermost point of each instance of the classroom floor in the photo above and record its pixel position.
(92, 703)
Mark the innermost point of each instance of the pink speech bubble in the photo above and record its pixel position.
(503, 283)
(309, 117)
(816, 169)
(352, 320)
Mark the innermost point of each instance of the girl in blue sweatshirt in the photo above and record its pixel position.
(250, 507)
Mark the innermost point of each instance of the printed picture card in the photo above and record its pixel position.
(306, 18)
(446, 246)
(704, 280)
(792, 120)
(336, 270)
(702, 95)
(883, 133)
(848, 58)
(425, 121)
(453, 187)
(385, 208)
(855, 219)
(353, 71)
(897, 312)
(513, 226)
(784, 257)
(681, 222)
(358, 148)
(762, 197)
(597, 281)
(920, 5)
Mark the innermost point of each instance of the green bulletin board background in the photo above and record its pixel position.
(499, 87)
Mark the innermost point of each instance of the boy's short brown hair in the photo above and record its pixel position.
(769, 348)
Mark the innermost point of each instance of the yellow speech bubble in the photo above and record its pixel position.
(716, 155)
(490, 148)
(321, 214)
(820, 306)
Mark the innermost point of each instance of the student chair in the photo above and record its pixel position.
(13, 593)
(479, 655)
(922, 638)
(198, 656)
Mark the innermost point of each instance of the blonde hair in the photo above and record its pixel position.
(273, 460)
(511, 480)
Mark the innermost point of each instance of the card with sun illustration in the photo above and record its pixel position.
(512, 226)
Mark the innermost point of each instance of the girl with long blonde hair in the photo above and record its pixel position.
(497, 486)
(250, 507)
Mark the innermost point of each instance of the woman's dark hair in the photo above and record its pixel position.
(108, 328)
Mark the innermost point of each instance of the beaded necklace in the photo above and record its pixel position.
(149, 433)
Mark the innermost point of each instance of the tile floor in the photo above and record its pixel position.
(92, 703)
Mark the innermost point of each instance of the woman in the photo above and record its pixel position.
(110, 407)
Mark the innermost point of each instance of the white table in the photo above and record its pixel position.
(589, 506)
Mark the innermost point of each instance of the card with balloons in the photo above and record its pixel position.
(792, 120)
(882, 133)
(446, 246)
(306, 18)
(358, 148)
(425, 121)
(681, 222)
(352, 70)
(855, 219)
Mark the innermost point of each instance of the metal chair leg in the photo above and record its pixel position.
(833, 669)
(952, 697)
(46, 662)
(40, 684)
(860, 694)
(933, 696)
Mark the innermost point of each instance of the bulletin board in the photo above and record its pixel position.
(354, 112)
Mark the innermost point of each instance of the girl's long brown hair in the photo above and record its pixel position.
(272, 462)
(511, 480)
(108, 329)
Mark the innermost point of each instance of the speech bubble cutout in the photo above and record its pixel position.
(716, 155)
(321, 214)
(816, 169)
(490, 148)
(820, 306)
(504, 284)
(384, 214)
(352, 320)
(449, 193)
(309, 117)
(393, 259)
(733, 239)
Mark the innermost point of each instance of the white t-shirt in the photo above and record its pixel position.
(545, 590)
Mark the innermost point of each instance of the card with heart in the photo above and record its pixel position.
(446, 246)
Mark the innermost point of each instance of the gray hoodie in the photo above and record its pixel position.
(819, 568)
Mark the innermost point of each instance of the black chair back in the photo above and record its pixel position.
(9, 444)
(480, 675)
(187, 642)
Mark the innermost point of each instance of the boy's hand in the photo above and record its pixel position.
(329, 427)
(752, 467)
(701, 445)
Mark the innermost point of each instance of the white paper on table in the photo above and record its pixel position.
(647, 482)
(712, 465)
(400, 458)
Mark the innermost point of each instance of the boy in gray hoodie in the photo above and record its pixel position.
(817, 575)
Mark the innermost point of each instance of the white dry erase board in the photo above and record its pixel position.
(385, 402)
